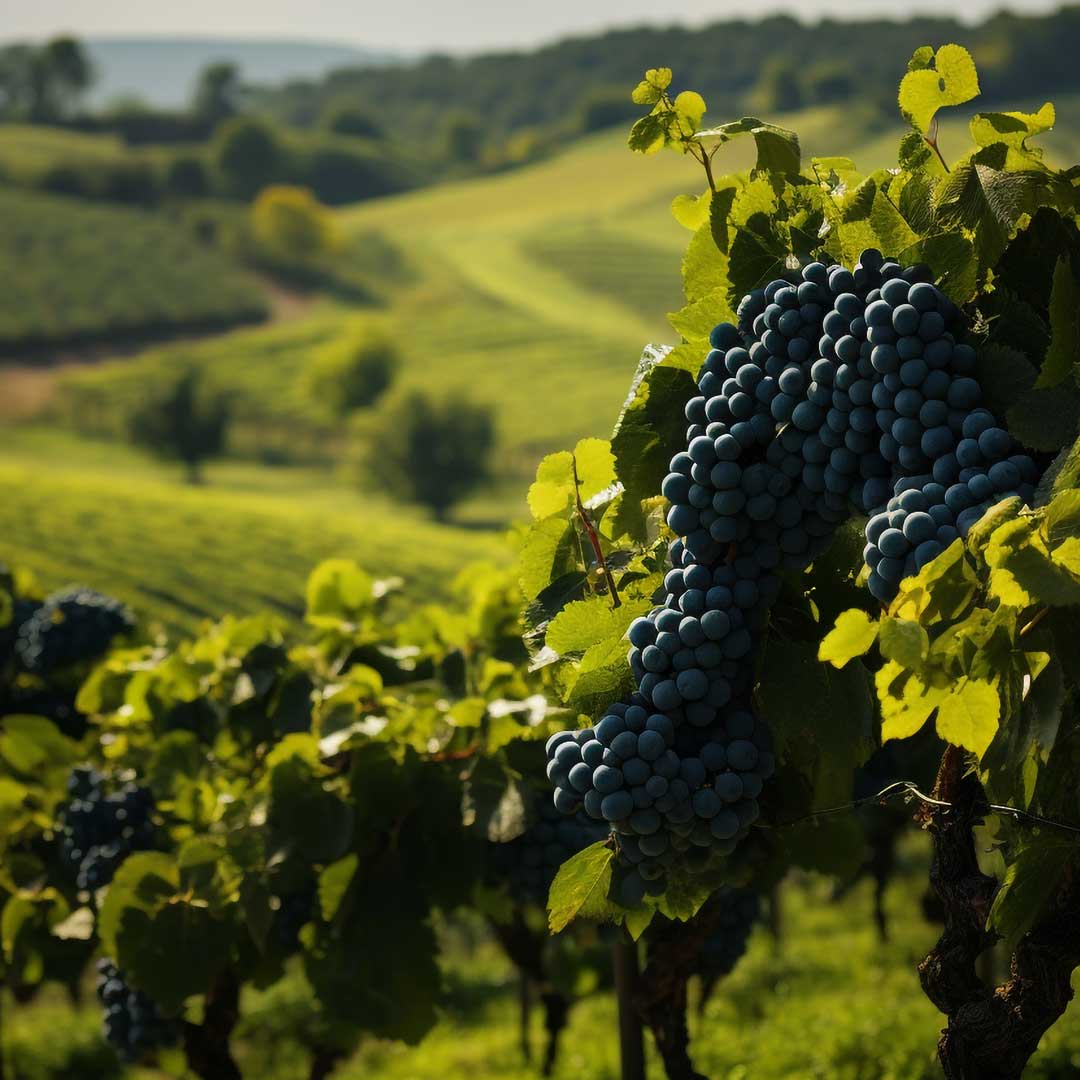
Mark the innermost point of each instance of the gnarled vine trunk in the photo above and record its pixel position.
(525, 948)
(991, 1031)
(674, 956)
(206, 1045)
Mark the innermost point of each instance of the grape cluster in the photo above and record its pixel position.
(529, 862)
(70, 627)
(669, 792)
(133, 1026)
(839, 392)
(929, 511)
(101, 829)
(724, 948)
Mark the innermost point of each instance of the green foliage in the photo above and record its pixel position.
(178, 421)
(291, 227)
(216, 94)
(247, 155)
(432, 452)
(43, 82)
(352, 372)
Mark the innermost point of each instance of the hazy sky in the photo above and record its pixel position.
(423, 25)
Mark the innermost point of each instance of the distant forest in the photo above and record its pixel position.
(772, 65)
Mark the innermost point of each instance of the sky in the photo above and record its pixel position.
(413, 26)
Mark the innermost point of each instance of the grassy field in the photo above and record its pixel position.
(74, 271)
(243, 542)
(827, 1001)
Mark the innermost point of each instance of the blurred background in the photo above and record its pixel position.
(284, 283)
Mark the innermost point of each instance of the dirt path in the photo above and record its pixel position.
(26, 388)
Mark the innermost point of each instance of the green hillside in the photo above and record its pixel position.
(246, 541)
(77, 272)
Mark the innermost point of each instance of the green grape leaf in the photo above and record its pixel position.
(583, 623)
(304, 815)
(951, 81)
(988, 199)
(1063, 354)
(338, 592)
(552, 491)
(650, 90)
(581, 886)
(692, 211)
(1017, 549)
(1031, 882)
(904, 641)
(649, 134)
(915, 154)
(1063, 473)
(968, 716)
(853, 635)
(1046, 419)
(690, 108)
(334, 882)
(601, 676)
(652, 429)
(951, 258)
(1005, 375)
(906, 701)
(377, 969)
(1011, 128)
(777, 148)
(921, 59)
(549, 552)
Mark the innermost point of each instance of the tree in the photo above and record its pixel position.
(43, 83)
(433, 451)
(291, 227)
(780, 87)
(348, 119)
(185, 176)
(352, 373)
(182, 423)
(247, 155)
(217, 93)
(463, 138)
(604, 108)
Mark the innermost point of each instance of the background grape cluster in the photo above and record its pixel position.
(723, 949)
(528, 863)
(133, 1026)
(839, 392)
(100, 829)
(70, 627)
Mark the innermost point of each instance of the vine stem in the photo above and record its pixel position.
(594, 539)
(631, 1034)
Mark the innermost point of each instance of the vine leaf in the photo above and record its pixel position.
(580, 888)
(1063, 354)
(969, 716)
(1012, 128)
(1031, 880)
(951, 80)
(777, 148)
(853, 635)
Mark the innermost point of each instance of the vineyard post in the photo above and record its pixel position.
(631, 1036)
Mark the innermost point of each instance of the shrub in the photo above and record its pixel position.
(247, 156)
(291, 227)
(432, 452)
(345, 119)
(182, 423)
(352, 373)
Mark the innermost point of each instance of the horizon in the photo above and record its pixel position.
(412, 28)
